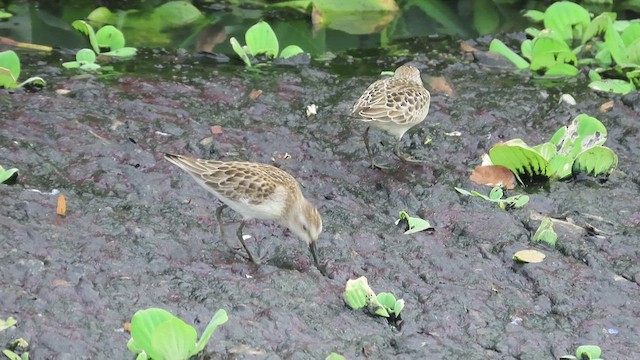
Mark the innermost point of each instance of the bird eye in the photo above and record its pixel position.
(304, 227)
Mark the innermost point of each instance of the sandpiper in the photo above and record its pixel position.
(395, 105)
(256, 191)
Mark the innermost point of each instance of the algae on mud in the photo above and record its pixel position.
(139, 235)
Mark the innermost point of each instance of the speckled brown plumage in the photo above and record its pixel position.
(394, 105)
(256, 191)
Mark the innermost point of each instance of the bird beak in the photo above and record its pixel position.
(314, 253)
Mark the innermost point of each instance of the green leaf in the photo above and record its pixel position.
(101, 15)
(517, 201)
(71, 64)
(122, 52)
(335, 356)
(303, 6)
(486, 17)
(174, 339)
(7, 80)
(633, 53)
(526, 48)
(594, 75)
(545, 232)
(5, 15)
(548, 51)
(10, 61)
(11, 355)
(496, 193)
(387, 300)
(631, 33)
(177, 13)
(499, 47)
(235, 45)
(34, 80)
(613, 85)
(143, 328)
(534, 15)
(133, 347)
(397, 308)
(521, 159)
(4, 176)
(357, 293)
(90, 67)
(5, 324)
(590, 351)
(415, 224)
(546, 150)
(290, 51)
(261, 39)
(616, 46)
(596, 160)
(562, 70)
(86, 29)
(219, 318)
(564, 16)
(86, 56)
(598, 25)
(110, 37)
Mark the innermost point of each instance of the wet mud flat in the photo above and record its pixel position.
(139, 233)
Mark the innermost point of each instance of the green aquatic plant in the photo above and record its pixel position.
(545, 233)
(157, 334)
(585, 352)
(262, 40)
(85, 60)
(5, 175)
(414, 224)
(358, 294)
(571, 39)
(495, 196)
(335, 356)
(108, 40)
(575, 148)
(10, 72)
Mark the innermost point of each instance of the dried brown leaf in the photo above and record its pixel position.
(493, 175)
(255, 94)
(441, 84)
(216, 130)
(606, 106)
(61, 209)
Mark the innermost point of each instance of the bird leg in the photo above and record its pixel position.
(219, 219)
(373, 165)
(224, 238)
(401, 156)
(239, 233)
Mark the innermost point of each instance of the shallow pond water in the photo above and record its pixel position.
(139, 233)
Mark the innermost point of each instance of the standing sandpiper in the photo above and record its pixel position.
(395, 105)
(256, 191)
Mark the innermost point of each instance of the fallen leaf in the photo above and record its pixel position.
(529, 256)
(493, 175)
(255, 94)
(216, 129)
(441, 84)
(568, 99)
(62, 206)
(312, 110)
(62, 91)
(127, 327)
(466, 47)
(606, 106)
(61, 282)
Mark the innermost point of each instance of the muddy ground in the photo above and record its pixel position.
(140, 233)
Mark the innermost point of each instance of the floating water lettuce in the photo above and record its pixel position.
(415, 224)
(612, 46)
(108, 40)
(10, 72)
(262, 40)
(358, 295)
(545, 232)
(158, 335)
(7, 174)
(495, 195)
(572, 149)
